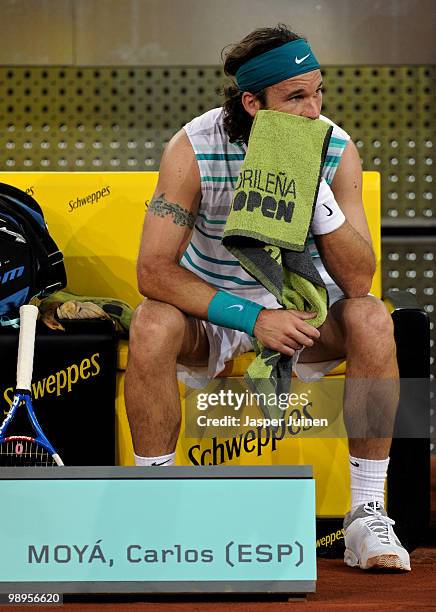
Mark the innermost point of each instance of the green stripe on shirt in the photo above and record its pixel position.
(218, 156)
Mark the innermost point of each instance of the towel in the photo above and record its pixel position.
(268, 226)
(64, 305)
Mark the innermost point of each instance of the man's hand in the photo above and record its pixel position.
(285, 330)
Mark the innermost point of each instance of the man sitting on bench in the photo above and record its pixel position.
(183, 269)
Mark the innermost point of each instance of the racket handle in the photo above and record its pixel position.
(26, 345)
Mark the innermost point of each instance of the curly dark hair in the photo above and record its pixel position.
(237, 122)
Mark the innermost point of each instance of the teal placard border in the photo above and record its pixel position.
(188, 587)
(146, 473)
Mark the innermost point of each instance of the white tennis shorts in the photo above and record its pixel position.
(226, 344)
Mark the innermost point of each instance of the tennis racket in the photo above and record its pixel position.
(20, 450)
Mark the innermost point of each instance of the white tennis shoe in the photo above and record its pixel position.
(370, 541)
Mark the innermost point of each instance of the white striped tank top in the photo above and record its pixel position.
(219, 162)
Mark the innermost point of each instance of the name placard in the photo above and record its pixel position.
(206, 529)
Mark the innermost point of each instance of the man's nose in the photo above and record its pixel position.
(311, 109)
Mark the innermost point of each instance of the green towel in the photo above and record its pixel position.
(120, 312)
(278, 180)
(268, 226)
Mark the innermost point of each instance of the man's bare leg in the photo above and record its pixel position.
(364, 328)
(360, 330)
(372, 379)
(160, 336)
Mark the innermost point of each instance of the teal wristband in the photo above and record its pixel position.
(233, 311)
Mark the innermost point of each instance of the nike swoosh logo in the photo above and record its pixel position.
(163, 462)
(354, 463)
(329, 209)
(238, 306)
(298, 60)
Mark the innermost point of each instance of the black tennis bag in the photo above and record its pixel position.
(31, 264)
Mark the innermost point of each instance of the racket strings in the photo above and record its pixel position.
(24, 453)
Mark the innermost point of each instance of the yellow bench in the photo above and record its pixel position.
(96, 219)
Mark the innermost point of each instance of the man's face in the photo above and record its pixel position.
(300, 95)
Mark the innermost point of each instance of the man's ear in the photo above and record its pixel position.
(250, 103)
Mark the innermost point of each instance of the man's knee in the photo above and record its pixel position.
(368, 320)
(156, 329)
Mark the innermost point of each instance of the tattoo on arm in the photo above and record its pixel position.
(161, 207)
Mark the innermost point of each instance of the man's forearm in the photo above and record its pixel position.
(171, 283)
(349, 259)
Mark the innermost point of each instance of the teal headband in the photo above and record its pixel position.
(288, 60)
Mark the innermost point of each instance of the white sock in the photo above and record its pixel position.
(367, 480)
(162, 460)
